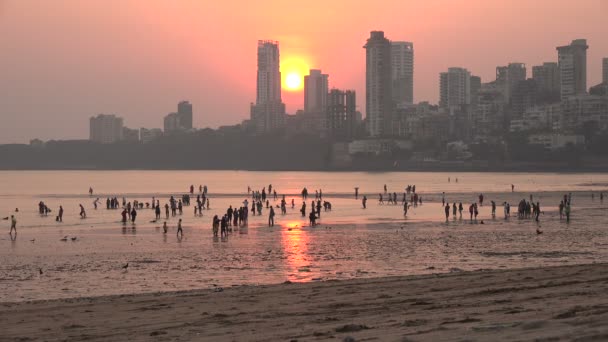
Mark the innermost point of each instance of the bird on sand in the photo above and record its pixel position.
(125, 266)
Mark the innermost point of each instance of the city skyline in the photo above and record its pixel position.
(53, 98)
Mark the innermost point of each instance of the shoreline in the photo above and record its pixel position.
(563, 302)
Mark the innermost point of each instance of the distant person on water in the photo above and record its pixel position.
(356, 193)
(180, 232)
(271, 218)
(13, 225)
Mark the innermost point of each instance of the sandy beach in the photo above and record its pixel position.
(548, 303)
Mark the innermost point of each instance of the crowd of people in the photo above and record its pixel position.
(237, 217)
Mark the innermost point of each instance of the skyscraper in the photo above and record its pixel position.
(454, 88)
(269, 74)
(572, 61)
(184, 110)
(546, 77)
(509, 76)
(315, 91)
(341, 113)
(402, 68)
(378, 84)
(105, 128)
(605, 70)
(268, 113)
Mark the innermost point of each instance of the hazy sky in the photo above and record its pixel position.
(62, 61)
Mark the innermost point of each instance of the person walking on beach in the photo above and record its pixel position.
(460, 209)
(481, 200)
(405, 208)
(60, 214)
(364, 202)
(271, 218)
(512, 188)
(567, 212)
(447, 212)
(561, 210)
(13, 225)
(83, 214)
(493, 208)
(180, 232)
(356, 192)
(454, 209)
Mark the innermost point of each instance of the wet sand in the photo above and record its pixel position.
(548, 303)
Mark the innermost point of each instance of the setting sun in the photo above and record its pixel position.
(293, 70)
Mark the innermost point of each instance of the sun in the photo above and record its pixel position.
(293, 81)
(293, 70)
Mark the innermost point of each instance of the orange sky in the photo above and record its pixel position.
(64, 60)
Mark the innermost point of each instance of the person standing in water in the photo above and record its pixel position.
(447, 212)
(13, 225)
(83, 214)
(271, 218)
(180, 232)
(60, 216)
(356, 192)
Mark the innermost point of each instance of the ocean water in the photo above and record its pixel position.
(349, 242)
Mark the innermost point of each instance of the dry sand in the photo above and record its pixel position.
(551, 303)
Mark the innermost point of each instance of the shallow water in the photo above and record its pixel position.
(349, 242)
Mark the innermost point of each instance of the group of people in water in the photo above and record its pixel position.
(267, 198)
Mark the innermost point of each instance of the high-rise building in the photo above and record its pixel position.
(454, 88)
(341, 113)
(315, 91)
(546, 77)
(402, 68)
(572, 61)
(184, 110)
(269, 74)
(268, 113)
(171, 123)
(508, 76)
(605, 70)
(378, 84)
(105, 128)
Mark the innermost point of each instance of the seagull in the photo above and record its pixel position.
(65, 238)
(74, 238)
(32, 240)
(538, 231)
(125, 266)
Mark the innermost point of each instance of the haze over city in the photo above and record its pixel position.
(64, 61)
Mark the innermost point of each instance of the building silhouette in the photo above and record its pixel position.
(268, 113)
(402, 69)
(572, 61)
(184, 110)
(105, 128)
(316, 87)
(454, 88)
(180, 121)
(507, 77)
(341, 114)
(378, 85)
(547, 81)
